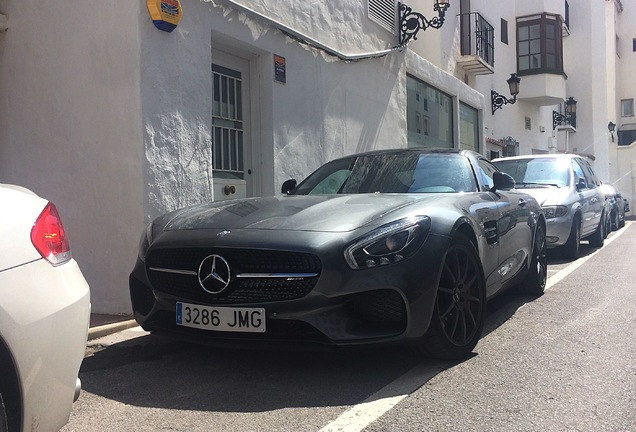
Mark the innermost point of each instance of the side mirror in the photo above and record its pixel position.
(288, 186)
(502, 181)
(581, 183)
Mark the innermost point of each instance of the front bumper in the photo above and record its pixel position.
(345, 307)
(558, 230)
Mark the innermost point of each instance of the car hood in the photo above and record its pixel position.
(550, 195)
(327, 213)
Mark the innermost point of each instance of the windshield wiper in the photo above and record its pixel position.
(527, 184)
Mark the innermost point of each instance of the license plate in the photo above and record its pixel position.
(229, 319)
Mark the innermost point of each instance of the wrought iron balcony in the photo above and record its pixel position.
(477, 44)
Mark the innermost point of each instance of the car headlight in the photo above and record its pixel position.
(554, 211)
(388, 244)
(146, 239)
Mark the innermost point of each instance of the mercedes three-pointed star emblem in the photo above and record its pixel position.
(214, 274)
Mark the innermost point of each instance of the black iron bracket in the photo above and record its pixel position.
(412, 22)
(498, 100)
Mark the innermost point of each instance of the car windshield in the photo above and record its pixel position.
(537, 171)
(392, 173)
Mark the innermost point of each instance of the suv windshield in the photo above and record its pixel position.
(538, 171)
(392, 173)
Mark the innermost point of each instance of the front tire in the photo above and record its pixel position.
(597, 239)
(537, 277)
(460, 305)
(572, 248)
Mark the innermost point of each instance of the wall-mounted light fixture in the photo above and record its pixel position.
(569, 117)
(499, 100)
(412, 22)
(611, 127)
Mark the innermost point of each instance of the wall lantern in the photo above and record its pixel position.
(412, 22)
(165, 14)
(569, 117)
(611, 127)
(499, 100)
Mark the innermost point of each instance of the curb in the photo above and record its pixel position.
(107, 329)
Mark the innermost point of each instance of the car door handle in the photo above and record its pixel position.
(522, 202)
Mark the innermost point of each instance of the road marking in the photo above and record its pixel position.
(375, 406)
(563, 273)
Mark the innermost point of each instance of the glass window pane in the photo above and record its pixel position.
(224, 108)
(524, 63)
(239, 101)
(225, 142)
(535, 62)
(430, 123)
(535, 31)
(218, 153)
(627, 107)
(231, 98)
(550, 60)
(233, 159)
(524, 48)
(216, 92)
(468, 128)
(550, 31)
(240, 150)
(524, 33)
(535, 47)
(550, 47)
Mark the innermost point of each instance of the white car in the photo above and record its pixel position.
(44, 315)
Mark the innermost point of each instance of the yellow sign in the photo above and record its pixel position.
(165, 14)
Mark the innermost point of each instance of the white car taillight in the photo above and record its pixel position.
(49, 238)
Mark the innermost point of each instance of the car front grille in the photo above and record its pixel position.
(175, 271)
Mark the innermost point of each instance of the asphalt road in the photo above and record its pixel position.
(563, 362)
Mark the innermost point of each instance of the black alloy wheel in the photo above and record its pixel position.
(460, 306)
(537, 278)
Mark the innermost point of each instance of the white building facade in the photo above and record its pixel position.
(117, 121)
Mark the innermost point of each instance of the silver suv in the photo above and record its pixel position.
(569, 193)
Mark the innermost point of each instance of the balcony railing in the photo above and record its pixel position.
(477, 44)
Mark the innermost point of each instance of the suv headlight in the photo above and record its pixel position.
(388, 244)
(554, 211)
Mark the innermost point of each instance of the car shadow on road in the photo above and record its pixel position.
(557, 256)
(151, 371)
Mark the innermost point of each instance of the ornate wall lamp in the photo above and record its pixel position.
(569, 117)
(611, 127)
(499, 100)
(412, 22)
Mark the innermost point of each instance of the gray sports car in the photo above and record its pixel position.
(394, 246)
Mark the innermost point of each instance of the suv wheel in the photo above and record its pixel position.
(572, 247)
(598, 238)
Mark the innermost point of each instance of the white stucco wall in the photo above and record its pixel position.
(70, 128)
(327, 108)
(625, 176)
